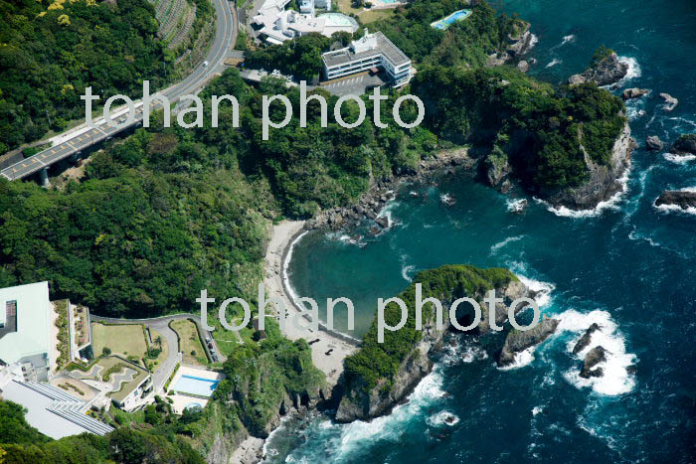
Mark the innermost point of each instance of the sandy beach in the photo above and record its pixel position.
(282, 237)
(250, 451)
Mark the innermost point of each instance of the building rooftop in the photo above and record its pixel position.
(53, 412)
(279, 25)
(27, 313)
(367, 46)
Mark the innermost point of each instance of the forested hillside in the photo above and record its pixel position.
(49, 53)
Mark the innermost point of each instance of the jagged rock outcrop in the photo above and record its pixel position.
(684, 199)
(584, 341)
(595, 356)
(606, 71)
(635, 92)
(685, 144)
(521, 40)
(654, 143)
(518, 340)
(670, 101)
(604, 181)
(364, 398)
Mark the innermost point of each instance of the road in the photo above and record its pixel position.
(82, 137)
(161, 325)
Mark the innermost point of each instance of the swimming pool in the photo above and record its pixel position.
(447, 21)
(197, 386)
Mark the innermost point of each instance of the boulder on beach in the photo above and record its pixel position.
(654, 143)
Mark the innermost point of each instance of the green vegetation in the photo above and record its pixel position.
(49, 53)
(300, 58)
(545, 127)
(190, 342)
(125, 340)
(377, 363)
(21, 444)
(261, 376)
(62, 307)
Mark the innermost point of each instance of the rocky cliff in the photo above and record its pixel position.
(604, 181)
(607, 70)
(380, 376)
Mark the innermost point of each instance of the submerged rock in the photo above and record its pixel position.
(654, 143)
(518, 341)
(670, 101)
(595, 356)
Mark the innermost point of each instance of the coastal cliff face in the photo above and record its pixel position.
(263, 383)
(380, 376)
(606, 69)
(604, 180)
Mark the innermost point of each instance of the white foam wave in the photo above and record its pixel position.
(616, 379)
(495, 248)
(516, 206)
(553, 63)
(679, 159)
(542, 289)
(347, 239)
(387, 212)
(633, 71)
(286, 264)
(610, 204)
(568, 38)
(406, 272)
(536, 410)
(523, 358)
(676, 209)
(390, 427)
(443, 418)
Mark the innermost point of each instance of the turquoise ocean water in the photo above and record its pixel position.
(629, 267)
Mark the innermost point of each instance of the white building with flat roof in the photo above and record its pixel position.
(276, 25)
(370, 51)
(53, 412)
(26, 315)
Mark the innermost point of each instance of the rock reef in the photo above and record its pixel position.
(517, 341)
(370, 391)
(607, 71)
(684, 199)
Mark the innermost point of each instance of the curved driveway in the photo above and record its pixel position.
(161, 325)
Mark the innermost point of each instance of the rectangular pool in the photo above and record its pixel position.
(196, 386)
(447, 21)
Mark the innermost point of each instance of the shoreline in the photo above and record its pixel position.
(283, 237)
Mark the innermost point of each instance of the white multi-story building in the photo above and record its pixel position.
(26, 316)
(275, 24)
(370, 51)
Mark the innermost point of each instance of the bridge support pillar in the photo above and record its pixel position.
(44, 178)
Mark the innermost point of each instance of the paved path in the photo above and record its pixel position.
(83, 137)
(161, 325)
